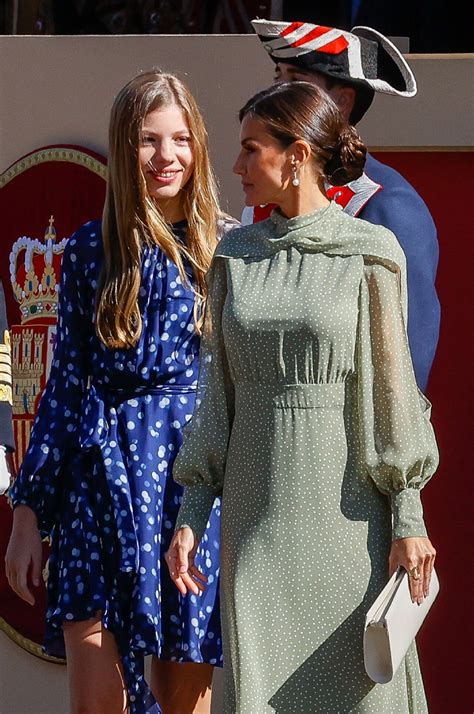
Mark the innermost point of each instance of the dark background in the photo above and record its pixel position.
(430, 25)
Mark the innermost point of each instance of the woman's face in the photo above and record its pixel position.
(166, 158)
(263, 164)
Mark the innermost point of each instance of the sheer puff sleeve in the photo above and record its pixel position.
(398, 442)
(200, 464)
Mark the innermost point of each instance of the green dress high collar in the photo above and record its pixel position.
(327, 230)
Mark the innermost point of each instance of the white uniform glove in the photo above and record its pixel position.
(5, 475)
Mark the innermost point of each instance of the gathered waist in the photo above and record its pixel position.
(292, 396)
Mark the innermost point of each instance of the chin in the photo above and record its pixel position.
(251, 200)
(165, 192)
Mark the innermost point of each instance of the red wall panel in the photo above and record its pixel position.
(446, 182)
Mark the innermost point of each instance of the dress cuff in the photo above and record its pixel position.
(20, 494)
(196, 508)
(407, 513)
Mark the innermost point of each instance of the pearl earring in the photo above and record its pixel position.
(295, 181)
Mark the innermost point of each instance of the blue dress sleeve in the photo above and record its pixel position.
(55, 430)
(402, 210)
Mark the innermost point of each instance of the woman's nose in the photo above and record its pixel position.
(164, 151)
(237, 167)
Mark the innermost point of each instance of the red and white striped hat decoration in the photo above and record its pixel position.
(349, 56)
(300, 37)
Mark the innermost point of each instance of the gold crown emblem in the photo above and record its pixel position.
(35, 280)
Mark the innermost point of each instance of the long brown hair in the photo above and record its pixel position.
(300, 110)
(131, 217)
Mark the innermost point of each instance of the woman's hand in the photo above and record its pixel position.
(24, 553)
(417, 556)
(180, 560)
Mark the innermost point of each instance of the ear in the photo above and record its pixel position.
(300, 152)
(344, 98)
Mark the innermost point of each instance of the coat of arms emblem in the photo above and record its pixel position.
(34, 272)
(44, 197)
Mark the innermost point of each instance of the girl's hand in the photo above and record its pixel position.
(180, 561)
(24, 553)
(417, 556)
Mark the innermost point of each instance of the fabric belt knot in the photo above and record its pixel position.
(99, 430)
(94, 426)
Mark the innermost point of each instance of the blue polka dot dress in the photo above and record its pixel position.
(98, 470)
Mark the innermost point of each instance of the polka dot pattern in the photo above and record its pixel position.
(312, 430)
(97, 471)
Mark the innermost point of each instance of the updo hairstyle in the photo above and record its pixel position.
(300, 110)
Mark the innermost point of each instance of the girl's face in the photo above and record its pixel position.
(263, 165)
(166, 158)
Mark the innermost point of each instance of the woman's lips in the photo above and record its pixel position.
(165, 177)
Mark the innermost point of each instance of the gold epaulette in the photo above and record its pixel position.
(6, 370)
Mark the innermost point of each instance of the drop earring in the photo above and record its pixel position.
(295, 181)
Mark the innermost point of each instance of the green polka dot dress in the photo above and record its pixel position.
(312, 428)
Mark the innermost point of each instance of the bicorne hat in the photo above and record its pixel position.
(360, 57)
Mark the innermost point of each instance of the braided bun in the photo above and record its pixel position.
(348, 159)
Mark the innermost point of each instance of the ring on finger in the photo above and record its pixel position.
(415, 573)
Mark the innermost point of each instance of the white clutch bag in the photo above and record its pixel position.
(391, 625)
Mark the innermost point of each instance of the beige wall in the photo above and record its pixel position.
(29, 685)
(59, 90)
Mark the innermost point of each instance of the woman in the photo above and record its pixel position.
(96, 474)
(311, 426)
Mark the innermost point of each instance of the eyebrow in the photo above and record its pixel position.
(144, 130)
